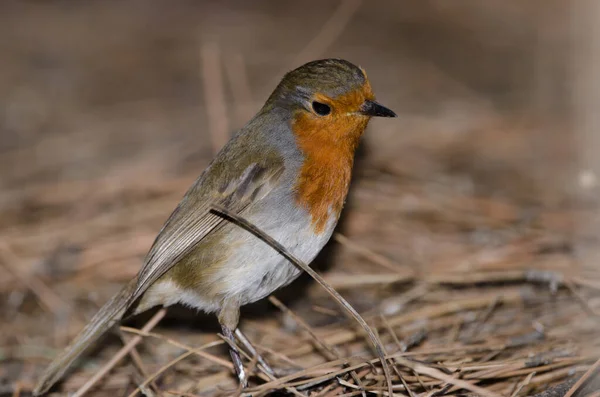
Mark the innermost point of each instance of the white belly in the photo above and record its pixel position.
(254, 269)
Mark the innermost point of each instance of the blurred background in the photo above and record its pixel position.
(484, 186)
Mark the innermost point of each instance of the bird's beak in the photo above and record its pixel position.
(373, 109)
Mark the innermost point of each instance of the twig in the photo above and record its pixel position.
(328, 350)
(137, 360)
(344, 281)
(482, 320)
(214, 95)
(378, 259)
(330, 31)
(180, 393)
(558, 390)
(581, 299)
(170, 364)
(330, 374)
(120, 354)
(583, 379)
(45, 295)
(521, 385)
(240, 87)
(217, 360)
(437, 374)
(330, 353)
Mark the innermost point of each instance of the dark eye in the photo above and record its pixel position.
(321, 109)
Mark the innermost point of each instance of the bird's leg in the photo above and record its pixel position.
(228, 318)
(242, 338)
(235, 358)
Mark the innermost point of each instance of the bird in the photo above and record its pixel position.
(287, 171)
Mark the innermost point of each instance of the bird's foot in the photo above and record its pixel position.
(236, 358)
(261, 361)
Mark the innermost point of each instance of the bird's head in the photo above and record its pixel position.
(329, 100)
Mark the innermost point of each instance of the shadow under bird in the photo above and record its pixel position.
(287, 171)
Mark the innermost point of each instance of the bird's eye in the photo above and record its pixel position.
(321, 109)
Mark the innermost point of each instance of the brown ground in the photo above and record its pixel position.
(468, 240)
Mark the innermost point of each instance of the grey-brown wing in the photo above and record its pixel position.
(192, 221)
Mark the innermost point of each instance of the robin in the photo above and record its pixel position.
(287, 171)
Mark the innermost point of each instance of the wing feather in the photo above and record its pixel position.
(192, 221)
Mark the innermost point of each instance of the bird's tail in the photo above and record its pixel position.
(106, 317)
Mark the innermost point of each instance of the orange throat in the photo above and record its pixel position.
(328, 147)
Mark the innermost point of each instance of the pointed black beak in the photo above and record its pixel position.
(373, 109)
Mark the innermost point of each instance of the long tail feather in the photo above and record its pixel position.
(106, 317)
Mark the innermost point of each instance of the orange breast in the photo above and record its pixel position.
(328, 146)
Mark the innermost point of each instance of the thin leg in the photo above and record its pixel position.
(242, 338)
(228, 318)
(235, 358)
